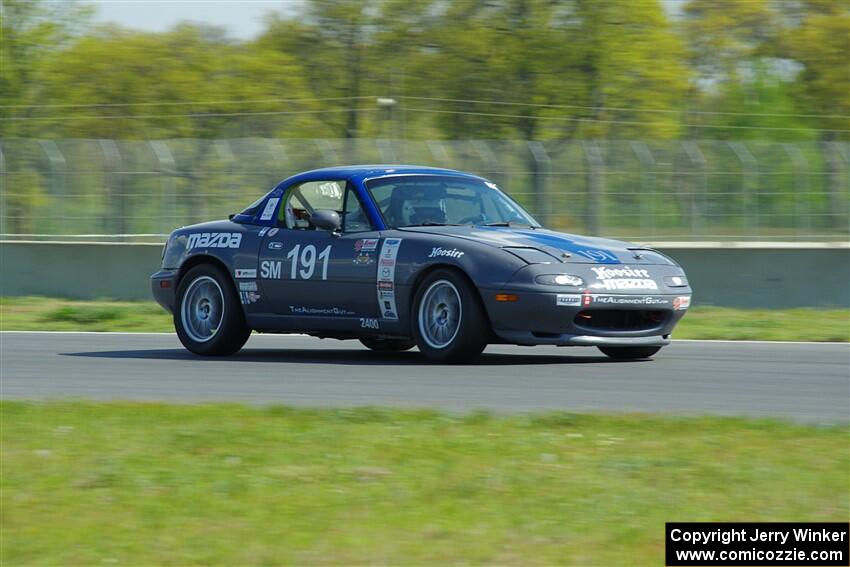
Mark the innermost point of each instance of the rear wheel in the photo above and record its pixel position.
(448, 320)
(208, 318)
(387, 345)
(629, 353)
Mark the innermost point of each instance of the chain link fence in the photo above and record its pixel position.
(639, 190)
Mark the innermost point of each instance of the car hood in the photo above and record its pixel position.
(563, 247)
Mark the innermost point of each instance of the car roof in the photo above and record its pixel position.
(368, 171)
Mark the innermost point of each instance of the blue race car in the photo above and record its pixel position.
(404, 256)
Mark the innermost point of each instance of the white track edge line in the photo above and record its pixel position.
(283, 335)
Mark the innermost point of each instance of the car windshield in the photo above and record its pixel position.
(436, 200)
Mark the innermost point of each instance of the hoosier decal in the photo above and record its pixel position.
(440, 251)
(623, 278)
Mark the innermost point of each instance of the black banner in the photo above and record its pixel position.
(767, 543)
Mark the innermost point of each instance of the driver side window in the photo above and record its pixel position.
(301, 200)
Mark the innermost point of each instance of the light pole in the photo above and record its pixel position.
(387, 103)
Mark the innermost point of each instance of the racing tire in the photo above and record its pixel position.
(448, 320)
(387, 345)
(629, 353)
(208, 316)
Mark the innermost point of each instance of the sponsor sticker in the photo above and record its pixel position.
(681, 303)
(623, 278)
(335, 311)
(276, 245)
(369, 323)
(568, 300)
(263, 231)
(214, 240)
(386, 275)
(366, 244)
(629, 300)
(243, 273)
(438, 252)
(597, 255)
(273, 231)
(270, 207)
(363, 259)
(248, 297)
(247, 286)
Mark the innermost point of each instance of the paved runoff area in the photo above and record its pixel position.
(798, 381)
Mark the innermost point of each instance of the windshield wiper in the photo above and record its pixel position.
(510, 224)
(429, 223)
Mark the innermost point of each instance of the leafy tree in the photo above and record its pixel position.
(724, 35)
(818, 37)
(577, 65)
(182, 83)
(31, 31)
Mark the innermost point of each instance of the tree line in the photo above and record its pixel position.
(460, 69)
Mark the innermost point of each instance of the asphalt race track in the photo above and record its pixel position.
(799, 381)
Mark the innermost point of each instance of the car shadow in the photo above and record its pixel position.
(341, 357)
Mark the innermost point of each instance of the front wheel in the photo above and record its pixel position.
(387, 345)
(448, 319)
(629, 353)
(208, 318)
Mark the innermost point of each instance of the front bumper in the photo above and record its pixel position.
(586, 319)
(162, 288)
(527, 338)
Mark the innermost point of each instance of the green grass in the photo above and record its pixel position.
(47, 314)
(150, 484)
(765, 324)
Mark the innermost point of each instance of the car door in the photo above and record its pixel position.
(320, 275)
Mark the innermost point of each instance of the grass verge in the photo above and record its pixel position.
(150, 484)
(47, 314)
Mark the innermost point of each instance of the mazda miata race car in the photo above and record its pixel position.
(404, 256)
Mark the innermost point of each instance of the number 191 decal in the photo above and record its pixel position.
(307, 260)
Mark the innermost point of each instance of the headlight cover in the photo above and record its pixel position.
(568, 280)
(676, 281)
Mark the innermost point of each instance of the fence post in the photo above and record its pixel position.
(438, 150)
(116, 221)
(595, 186)
(647, 187)
(57, 177)
(696, 196)
(167, 170)
(3, 187)
(328, 152)
(833, 158)
(277, 151)
(386, 149)
(749, 168)
(540, 163)
(801, 188)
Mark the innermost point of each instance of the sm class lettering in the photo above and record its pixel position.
(304, 263)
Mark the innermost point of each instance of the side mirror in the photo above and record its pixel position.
(326, 219)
